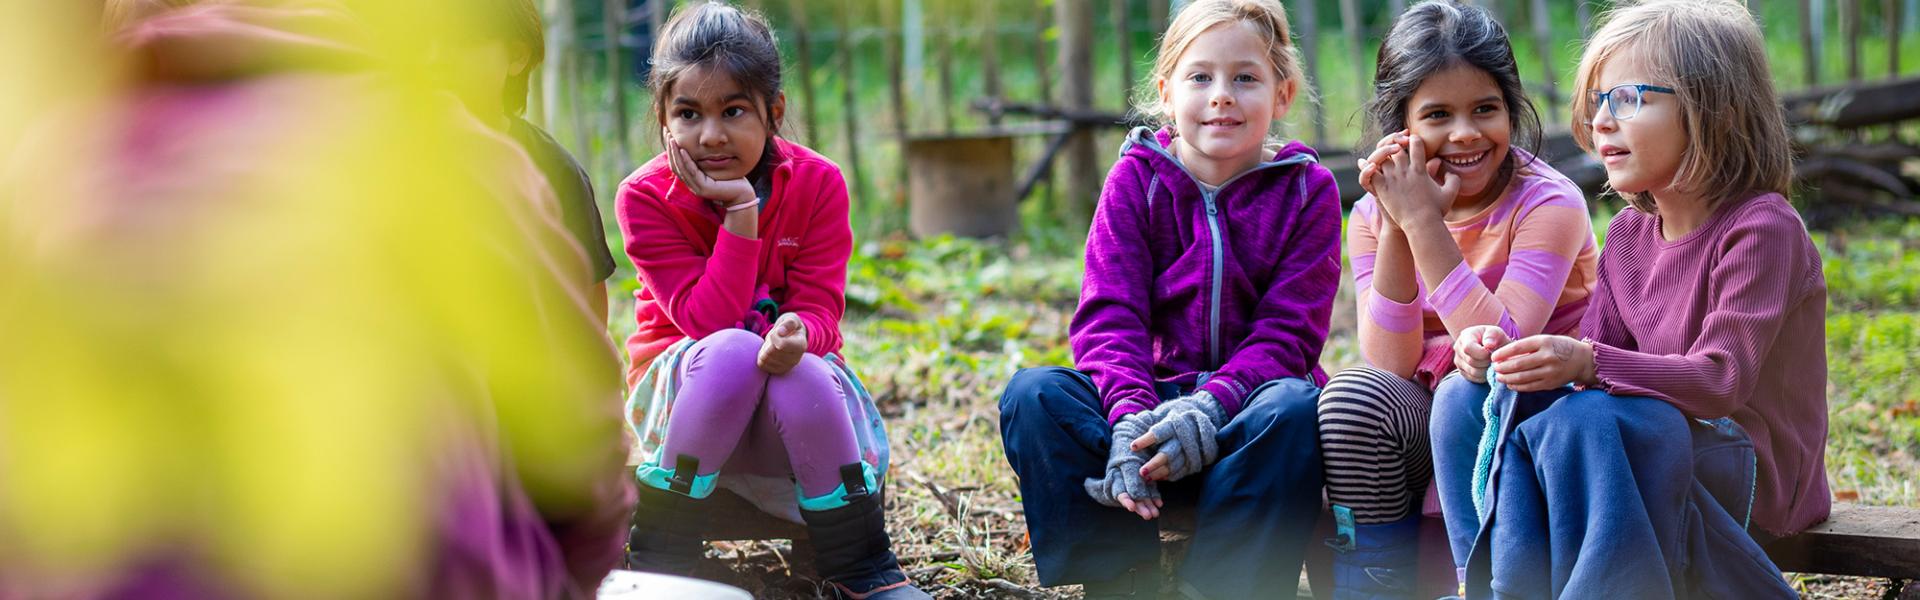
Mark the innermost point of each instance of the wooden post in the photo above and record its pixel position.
(614, 20)
(1042, 75)
(1583, 16)
(1543, 47)
(1075, 20)
(848, 107)
(804, 59)
(1125, 41)
(1808, 42)
(1397, 6)
(1157, 16)
(1307, 38)
(1890, 9)
(1042, 64)
(1350, 25)
(945, 39)
(890, 21)
(1850, 28)
(989, 40)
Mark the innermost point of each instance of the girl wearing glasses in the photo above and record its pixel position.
(1697, 431)
(1461, 227)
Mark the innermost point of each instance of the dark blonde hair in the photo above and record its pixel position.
(1712, 54)
(1267, 16)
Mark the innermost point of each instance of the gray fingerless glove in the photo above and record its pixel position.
(1187, 428)
(1123, 465)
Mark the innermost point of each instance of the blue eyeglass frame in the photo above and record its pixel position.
(1600, 97)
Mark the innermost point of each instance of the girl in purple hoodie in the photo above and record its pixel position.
(1211, 269)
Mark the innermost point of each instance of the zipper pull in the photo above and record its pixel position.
(1212, 209)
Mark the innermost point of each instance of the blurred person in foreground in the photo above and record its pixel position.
(282, 320)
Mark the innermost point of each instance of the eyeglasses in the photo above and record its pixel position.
(1623, 100)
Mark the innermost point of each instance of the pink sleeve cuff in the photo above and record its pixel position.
(1394, 316)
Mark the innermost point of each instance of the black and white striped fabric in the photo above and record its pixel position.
(1373, 441)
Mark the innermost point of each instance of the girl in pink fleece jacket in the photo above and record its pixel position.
(741, 240)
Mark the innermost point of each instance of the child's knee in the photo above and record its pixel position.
(1290, 403)
(1457, 405)
(1590, 412)
(808, 391)
(1353, 396)
(1030, 390)
(727, 346)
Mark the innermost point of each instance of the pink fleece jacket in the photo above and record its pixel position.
(698, 278)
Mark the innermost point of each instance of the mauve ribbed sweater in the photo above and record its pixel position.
(1729, 320)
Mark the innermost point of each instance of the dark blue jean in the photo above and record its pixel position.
(1593, 495)
(1254, 508)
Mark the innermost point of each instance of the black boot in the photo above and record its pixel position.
(852, 550)
(665, 536)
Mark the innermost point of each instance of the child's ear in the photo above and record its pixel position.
(777, 110)
(1160, 85)
(1284, 96)
(519, 59)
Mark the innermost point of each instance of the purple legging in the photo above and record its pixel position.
(729, 412)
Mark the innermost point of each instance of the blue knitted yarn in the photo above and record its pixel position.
(1489, 440)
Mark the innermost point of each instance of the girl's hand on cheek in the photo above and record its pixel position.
(1394, 143)
(721, 194)
(1408, 190)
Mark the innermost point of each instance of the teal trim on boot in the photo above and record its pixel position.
(653, 476)
(1380, 562)
(839, 496)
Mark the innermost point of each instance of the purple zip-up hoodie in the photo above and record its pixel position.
(1227, 289)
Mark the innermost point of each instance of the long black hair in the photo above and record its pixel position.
(1432, 37)
(738, 43)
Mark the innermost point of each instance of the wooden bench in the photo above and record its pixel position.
(1857, 540)
(1862, 541)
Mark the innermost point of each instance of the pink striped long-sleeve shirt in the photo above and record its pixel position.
(1529, 261)
(1729, 320)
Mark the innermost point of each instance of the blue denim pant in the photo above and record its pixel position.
(1593, 495)
(1254, 509)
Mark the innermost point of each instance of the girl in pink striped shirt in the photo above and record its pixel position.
(1460, 228)
(1699, 430)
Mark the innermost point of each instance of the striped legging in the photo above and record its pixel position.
(1373, 443)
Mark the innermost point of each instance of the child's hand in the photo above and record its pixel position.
(1184, 437)
(1407, 188)
(786, 343)
(1122, 485)
(722, 194)
(1473, 350)
(1393, 143)
(1544, 362)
